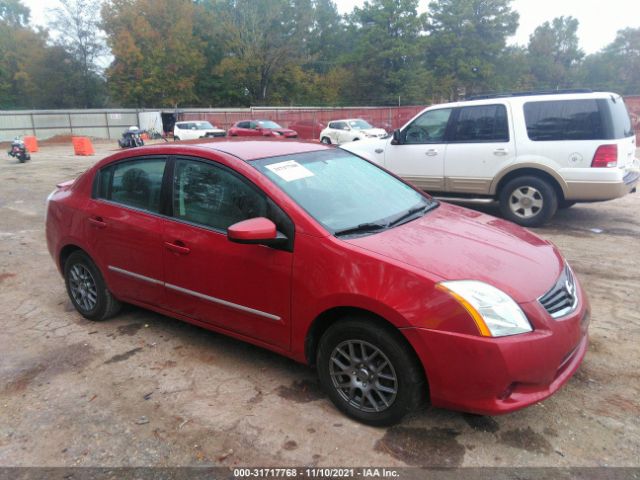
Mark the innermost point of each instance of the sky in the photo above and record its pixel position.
(599, 19)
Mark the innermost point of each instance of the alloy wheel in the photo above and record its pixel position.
(363, 376)
(83, 287)
(525, 202)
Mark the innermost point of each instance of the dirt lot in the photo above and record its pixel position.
(143, 389)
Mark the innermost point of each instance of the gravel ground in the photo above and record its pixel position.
(143, 389)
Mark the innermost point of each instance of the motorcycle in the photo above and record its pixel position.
(131, 138)
(19, 151)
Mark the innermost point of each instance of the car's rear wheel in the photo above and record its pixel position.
(176, 139)
(87, 289)
(528, 201)
(326, 140)
(369, 373)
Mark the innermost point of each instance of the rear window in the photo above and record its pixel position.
(564, 120)
(619, 125)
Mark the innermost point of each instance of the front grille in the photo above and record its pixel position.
(562, 299)
(215, 134)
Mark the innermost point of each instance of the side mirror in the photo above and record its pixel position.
(397, 137)
(259, 230)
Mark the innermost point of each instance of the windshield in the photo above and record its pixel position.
(346, 194)
(268, 124)
(359, 124)
(204, 126)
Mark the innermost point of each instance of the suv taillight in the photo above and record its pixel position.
(606, 156)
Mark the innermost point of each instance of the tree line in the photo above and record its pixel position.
(228, 53)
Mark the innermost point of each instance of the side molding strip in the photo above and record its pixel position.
(196, 294)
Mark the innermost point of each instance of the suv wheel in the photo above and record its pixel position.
(87, 290)
(368, 372)
(326, 140)
(528, 201)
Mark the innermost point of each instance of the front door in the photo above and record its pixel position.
(242, 288)
(419, 158)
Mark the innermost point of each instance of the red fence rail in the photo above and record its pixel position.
(309, 122)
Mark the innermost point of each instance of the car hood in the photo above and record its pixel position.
(374, 131)
(454, 243)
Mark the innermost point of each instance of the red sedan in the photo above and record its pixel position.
(260, 128)
(319, 255)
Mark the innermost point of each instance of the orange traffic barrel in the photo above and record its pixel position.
(82, 146)
(31, 143)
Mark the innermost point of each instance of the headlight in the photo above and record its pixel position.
(494, 312)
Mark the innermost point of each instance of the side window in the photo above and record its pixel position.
(333, 125)
(243, 125)
(486, 123)
(209, 195)
(430, 127)
(563, 120)
(135, 183)
(253, 125)
(179, 126)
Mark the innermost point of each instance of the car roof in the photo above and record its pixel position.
(263, 148)
(246, 150)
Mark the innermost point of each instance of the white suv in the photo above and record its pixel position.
(349, 130)
(196, 129)
(533, 153)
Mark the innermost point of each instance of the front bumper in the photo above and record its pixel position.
(492, 376)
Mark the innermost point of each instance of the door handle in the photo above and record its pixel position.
(431, 152)
(177, 247)
(97, 222)
(500, 152)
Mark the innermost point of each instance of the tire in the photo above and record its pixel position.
(87, 290)
(528, 201)
(566, 204)
(176, 139)
(403, 374)
(326, 140)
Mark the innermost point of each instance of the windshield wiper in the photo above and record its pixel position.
(362, 228)
(410, 213)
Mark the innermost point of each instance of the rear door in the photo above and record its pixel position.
(480, 145)
(125, 227)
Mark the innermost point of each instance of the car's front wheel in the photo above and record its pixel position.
(87, 289)
(325, 140)
(369, 372)
(528, 201)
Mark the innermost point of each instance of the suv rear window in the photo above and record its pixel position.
(564, 120)
(619, 125)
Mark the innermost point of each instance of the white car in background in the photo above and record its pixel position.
(349, 130)
(196, 129)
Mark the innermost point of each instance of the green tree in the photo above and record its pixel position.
(617, 66)
(14, 13)
(554, 54)
(77, 27)
(466, 39)
(386, 44)
(157, 56)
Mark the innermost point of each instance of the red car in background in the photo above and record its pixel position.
(260, 128)
(326, 258)
(307, 129)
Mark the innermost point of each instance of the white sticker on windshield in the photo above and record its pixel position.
(290, 170)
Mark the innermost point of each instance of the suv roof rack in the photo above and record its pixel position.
(529, 93)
